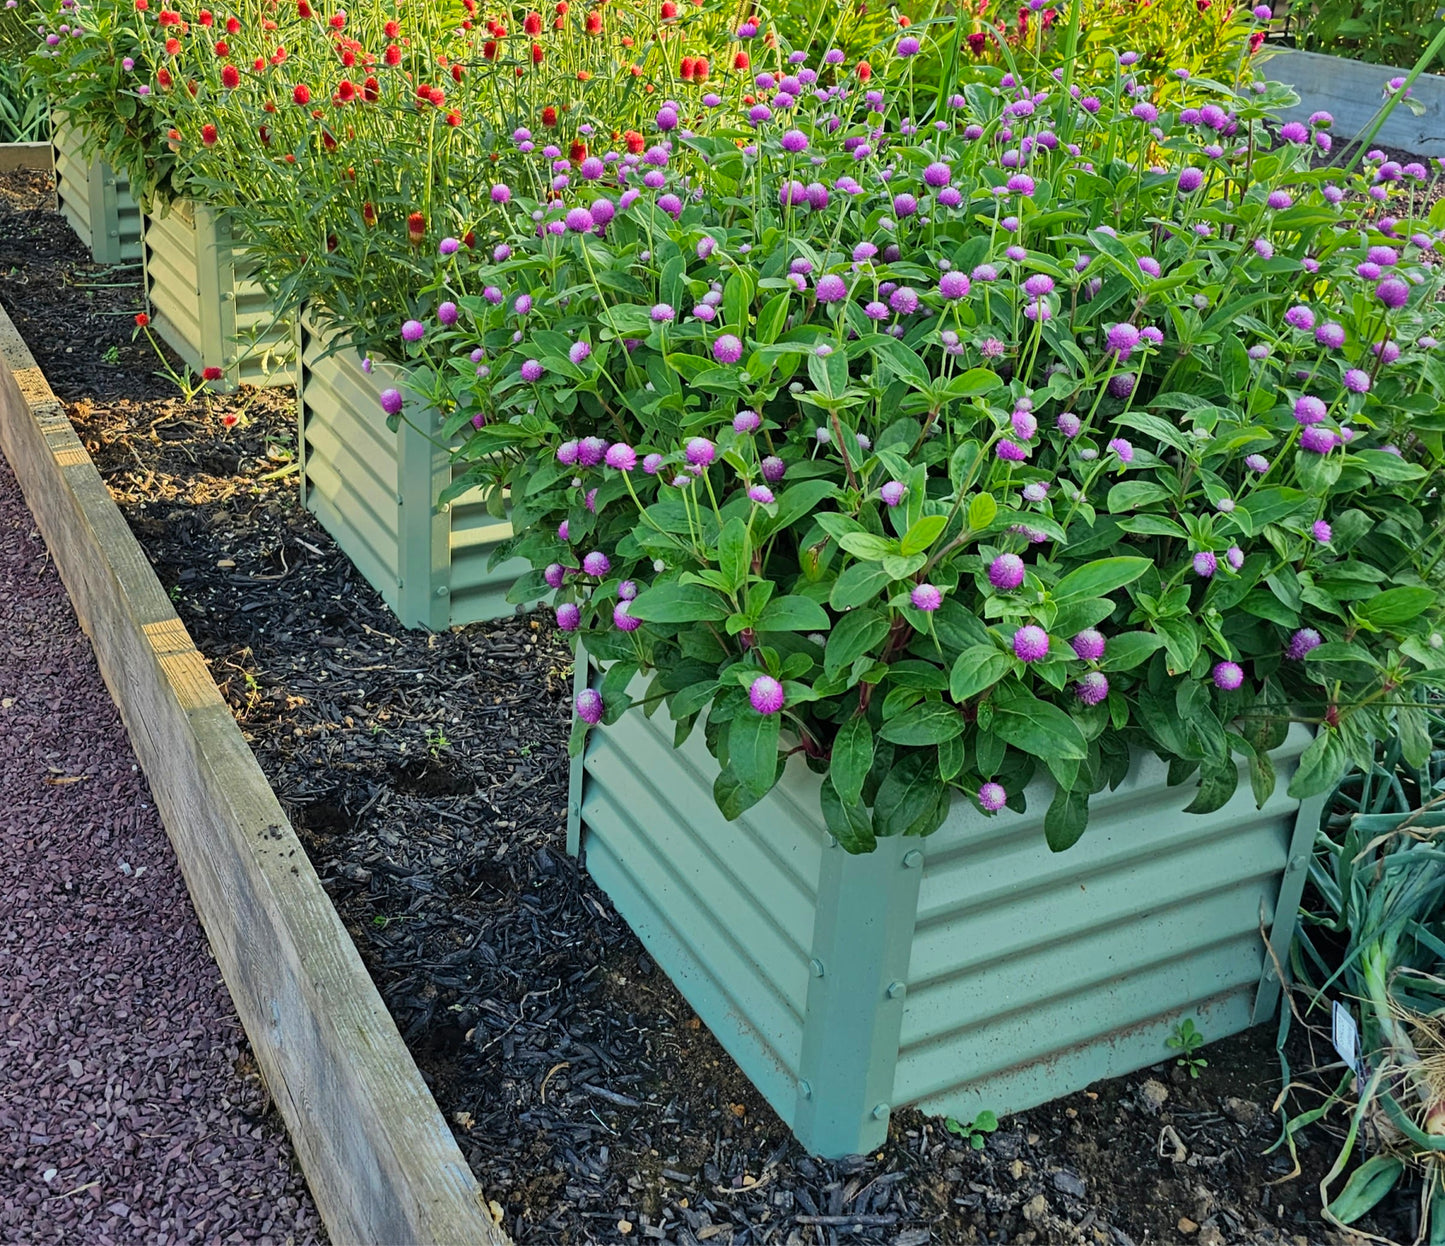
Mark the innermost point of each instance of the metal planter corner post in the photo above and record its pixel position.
(966, 971)
(376, 492)
(97, 202)
(203, 304)
(1353, 92)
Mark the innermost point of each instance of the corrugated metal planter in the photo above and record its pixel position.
(202, 303)
(376, 492)
(970, 970)
(97, 202)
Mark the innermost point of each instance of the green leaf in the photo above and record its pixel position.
(847, 821)
(929, 722)
(772, 319)
(1217, 783)
(1412, 725)
(829, 373)
(852, 636)
(1098, 579)
(679, 603)
(852, 758)
(981, 512)
(867, 546)
(974, 383)
(737, 298)
(753, 750)
(793, 503)
(1181, 643)
(1368, 1184)
(1262, 778)
(732, 796)
(922, 534)
(1066, 819)
(951, 756)
(1036, 727)
(1320, 765)
(733, 553)
(909, 797)
(976, 669)
(1396, 606)
(793, 614)
(1128, 649)
(861, 582)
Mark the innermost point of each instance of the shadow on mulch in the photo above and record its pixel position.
(427, 776)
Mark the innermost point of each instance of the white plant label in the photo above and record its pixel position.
(1347, 1038)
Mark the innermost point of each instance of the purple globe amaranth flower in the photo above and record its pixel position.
(1089, 644)
(904, 301)
(1234, 556)
(447, 313)
(1010, 451)
(1025, 425)
(564, 531)
(1205, 564)
(1309, 410)
(1321, 531)
(569, 616)
(1300, 317)
(1393, 292)
(1121, 385)
(652, 463)
(1123, 449)
(766, 695)
(1039, 285)
(580, 221)
(937, 175)
(954, 285)
(1190, 179)
(773, 469)
(1331, 335)
(831, 288)
(926, 597)
(567, 452)
(413, 331)
(597, 563)
(727, 349)
(1357, 381)
(1092, 688)
(554, 574)
(893, 492)
(992, 797)
(1068, 423)
(589, 706)
(1279, 200)
(700, 451)
(621, 456)
(1031, 643)
(532, 370)
(908, 46)
(1256, 463)
(1317, 440)
(622, 618)
(1122, 338)
(392, 401)
(591, 451)
(762, 495)
(1301, 643)
(627, 590)
(746, 422)
(1228, 676)
(523, 305)
(794, 141)
(1006, 572)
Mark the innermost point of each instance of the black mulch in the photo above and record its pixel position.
(427, 777)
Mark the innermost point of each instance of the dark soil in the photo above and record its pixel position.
(427, 776)
(130, 1106)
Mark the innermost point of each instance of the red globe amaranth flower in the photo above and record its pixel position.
(173, 46)
(532, 24)
(264, 134)
(233, 25)
(302, 9)
(301, 94)
(701, 69)
(206, 18)
(865, 71)
(230, 420)
(268, 106)
(577, 152)
(489, 50)
(211, 374)
(635, 142)
(561, 9)
(1256, 40)
(391, 30)
(163, 76)
(537, 54)
(331, 242)
(258, 65)
(209, 135)
(685, 70)
(594, 23)
(904, 20)
(142, 5)
(416, 228)
(222, 48)
(168, 18)
(370, 90)
(583, 76)
(191, 88)
(977, 42)
(338, 21)
(454, 119)
(456, 73)
(470, 239)
(368, 213)
(278, 55)
(549, 116)
(348, 58)
(740, 61)
(316, 114)
(141, 320)
(669, 10)
(290, 158)
(345, 91)
(230, 77)
(392, 55)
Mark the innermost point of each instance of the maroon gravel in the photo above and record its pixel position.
(130, 1111)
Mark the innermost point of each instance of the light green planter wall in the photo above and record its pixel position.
(972, 969)
(376, 492)
(202, 304)
(97, 202)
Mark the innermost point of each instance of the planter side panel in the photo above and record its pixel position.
(97, 202)
(726, 908)
(349, 462)
(1034, 973)
(1352, 92)
(479, 590)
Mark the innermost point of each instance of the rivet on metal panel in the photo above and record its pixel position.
(1298, 862)
(400, 583)
(228, 296)
(832, 841)
(912, 859)
(815, 966)
(805, 1088)
(442, 590)
(445, 508)
(896, 990)
(230, 360)
(573, 809)
(400, 501)
(880, 1111)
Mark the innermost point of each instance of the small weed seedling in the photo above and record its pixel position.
(975, 1130)
(1187, 1040)
(112, 355)
(436, 741)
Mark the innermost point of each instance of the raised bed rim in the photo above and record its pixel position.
(16, 156)
(380, 1161)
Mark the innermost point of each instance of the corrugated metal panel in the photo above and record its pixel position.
(97, 202)
(727, 908)
(1023, 956)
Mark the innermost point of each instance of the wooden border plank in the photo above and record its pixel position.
(15, 156)
(380, 1161)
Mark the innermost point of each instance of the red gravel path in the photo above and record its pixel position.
(126, 1115)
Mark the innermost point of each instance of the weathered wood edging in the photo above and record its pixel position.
(15, 156)
(1353, 92)
(380, 1161)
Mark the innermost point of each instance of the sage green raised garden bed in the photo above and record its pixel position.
(376, 492)
(970, 970)
(97, 202)
(202, 303)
